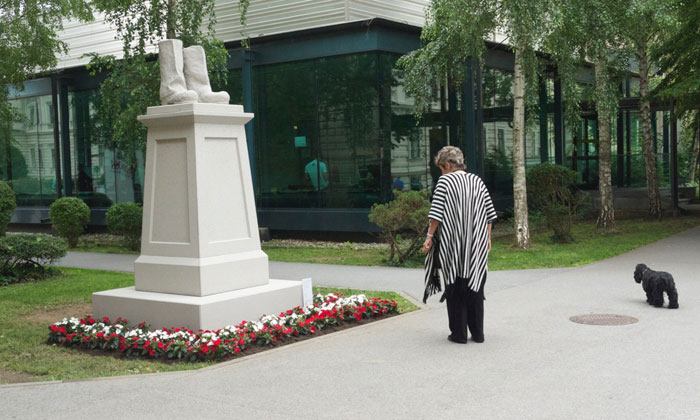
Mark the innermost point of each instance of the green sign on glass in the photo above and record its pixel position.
(300, 141)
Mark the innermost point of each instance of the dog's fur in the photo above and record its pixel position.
(655, 283)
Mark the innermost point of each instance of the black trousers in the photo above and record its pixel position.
(465, 310)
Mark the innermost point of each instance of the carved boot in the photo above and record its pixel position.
(173, 89)
(197, 77)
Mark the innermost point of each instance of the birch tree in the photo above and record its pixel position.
(456, 31)
(657, 22)
(679, 63)
(132, 82)
(590, 30)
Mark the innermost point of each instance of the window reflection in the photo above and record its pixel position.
(26, 157)
(317, 133)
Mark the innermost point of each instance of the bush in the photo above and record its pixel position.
(404, 222)
(552, 190)
(69, 216)
(24, 256)
(124, 219)
(7, 206)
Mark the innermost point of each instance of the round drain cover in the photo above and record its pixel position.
(603, 319)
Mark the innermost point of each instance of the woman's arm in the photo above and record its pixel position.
(431, 231)
(489, 230)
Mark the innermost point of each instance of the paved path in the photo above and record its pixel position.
(535, 363)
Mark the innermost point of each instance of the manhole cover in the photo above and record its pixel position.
(603, 319)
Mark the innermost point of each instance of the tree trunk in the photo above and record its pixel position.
(170, 20)
(606, 218)
(522, 231)
(647, 147)
(695, 154)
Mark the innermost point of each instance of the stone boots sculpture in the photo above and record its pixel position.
(183, 75)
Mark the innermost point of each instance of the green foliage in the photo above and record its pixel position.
(125, 219)
(552, 190)
(132, 83)
(7, 206)
(23, 257)
(588, 30)
(678, 58)
(404, 222)
(29, 44)
(454, 31)
(29, 39)
(69, 216)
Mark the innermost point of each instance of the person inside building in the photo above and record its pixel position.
(397, 185)
(457, 243)
(317, 172)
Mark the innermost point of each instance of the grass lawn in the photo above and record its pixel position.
(26, 311)
(591, 245)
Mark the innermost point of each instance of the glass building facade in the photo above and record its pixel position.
(333, 133)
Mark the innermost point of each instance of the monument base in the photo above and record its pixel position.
(194, 312)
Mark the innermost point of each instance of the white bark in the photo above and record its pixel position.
(606, 218)
(649, 161)
(522, 231)
(695, 155)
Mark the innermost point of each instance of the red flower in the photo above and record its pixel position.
(62, 329)
(54, 328)
(105, 320)
(313, 329)
(236, 349)
(204, 349)
(69, 337)
(100, 334)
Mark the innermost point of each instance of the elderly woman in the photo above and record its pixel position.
(458, 243)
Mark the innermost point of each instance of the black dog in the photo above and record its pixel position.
(655, 283)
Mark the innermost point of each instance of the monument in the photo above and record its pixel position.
(201, 265)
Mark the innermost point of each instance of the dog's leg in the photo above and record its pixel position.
(649, 298)
(658, 296)
(672, 299)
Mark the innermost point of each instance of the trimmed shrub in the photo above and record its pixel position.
(404, 222)
(552, 190)
(124, 219)
(7, 206)
(24, 256)
(69, 216)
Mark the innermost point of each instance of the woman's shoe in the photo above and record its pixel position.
(452, 339)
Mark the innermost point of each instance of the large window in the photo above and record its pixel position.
(413, 143)
(27, 155)
(317, 133)
(497, 88)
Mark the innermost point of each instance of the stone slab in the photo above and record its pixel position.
(195, 312)
(201, 276)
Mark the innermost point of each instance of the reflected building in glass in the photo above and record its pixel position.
(334, 130)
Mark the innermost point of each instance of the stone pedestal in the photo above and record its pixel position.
(201, 265)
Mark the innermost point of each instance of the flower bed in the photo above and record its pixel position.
(230, 341)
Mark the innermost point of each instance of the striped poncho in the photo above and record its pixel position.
(462, 205)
